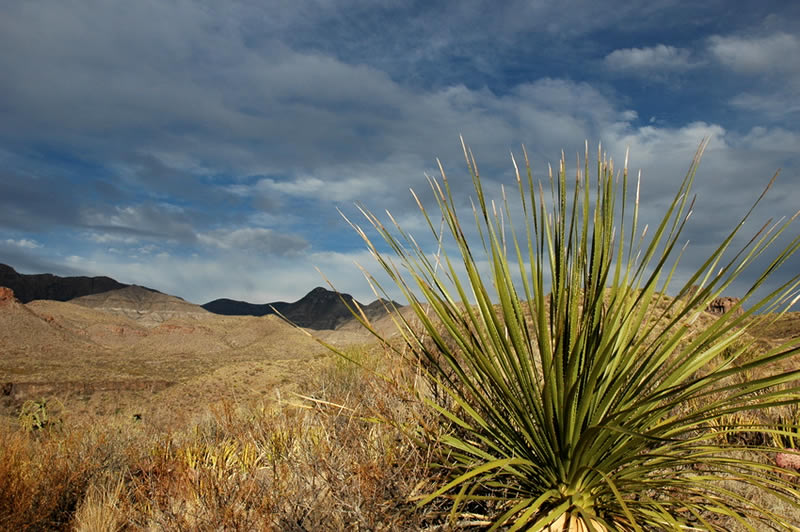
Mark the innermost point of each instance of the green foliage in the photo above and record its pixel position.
(36, 415)
(598, 406)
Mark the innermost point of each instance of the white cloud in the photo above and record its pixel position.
(650, 60)
(25, 243)
(200, 279)
(254, 239)
(753, 55)
(143, 220)
(779, 105)
(108, 238)
(346, 182)
(766, 140)
(771, 62)
(739, 165)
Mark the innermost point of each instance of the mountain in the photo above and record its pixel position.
(231, 307)
(319, 309)
(23, 331)
(48, 286)
(96, 360)
(143, 305)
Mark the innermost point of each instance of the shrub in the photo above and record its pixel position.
(43, 478)
(592, 408)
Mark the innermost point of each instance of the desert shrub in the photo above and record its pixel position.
(43, 478)
(593, 407)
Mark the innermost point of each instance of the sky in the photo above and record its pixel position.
(204, 148)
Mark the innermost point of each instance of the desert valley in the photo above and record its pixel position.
(126, 408)
(129, 351)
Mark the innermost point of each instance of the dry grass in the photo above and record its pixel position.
(214, 452)
(45, 475)
(332, 459)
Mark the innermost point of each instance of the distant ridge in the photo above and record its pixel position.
(232, 307)
(319, 309)
(47, 286)
(148, 307)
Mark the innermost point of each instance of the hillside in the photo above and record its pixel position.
(320, 309)
(47, 286)
(105, 355)
(141, 304)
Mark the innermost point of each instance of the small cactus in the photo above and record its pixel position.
(37, 415)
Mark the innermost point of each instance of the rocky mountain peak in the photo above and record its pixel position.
(318, 291)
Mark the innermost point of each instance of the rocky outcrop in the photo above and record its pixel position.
(788, 460)
(723, 305)
(48, 286)
(7, 296)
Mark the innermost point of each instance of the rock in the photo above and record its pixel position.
(788, 461)
(723, 305)
(7, 296)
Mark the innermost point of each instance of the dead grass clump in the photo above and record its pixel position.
(43, 478)
(100, 510)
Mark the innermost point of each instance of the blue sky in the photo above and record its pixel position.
(202, 148)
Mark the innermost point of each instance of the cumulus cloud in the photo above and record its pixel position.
(771, 60)
(23, 243)
(226, 134)
(146, 220)
(772, 140)
(769, 54)
(779, 105)
(254, 239)
(647, 61)
(203, 278)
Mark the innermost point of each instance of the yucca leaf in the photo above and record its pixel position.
(593, 402)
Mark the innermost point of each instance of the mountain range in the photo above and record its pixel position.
(320, 309)
(47, 286)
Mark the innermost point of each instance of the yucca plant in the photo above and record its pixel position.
(578, 394)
